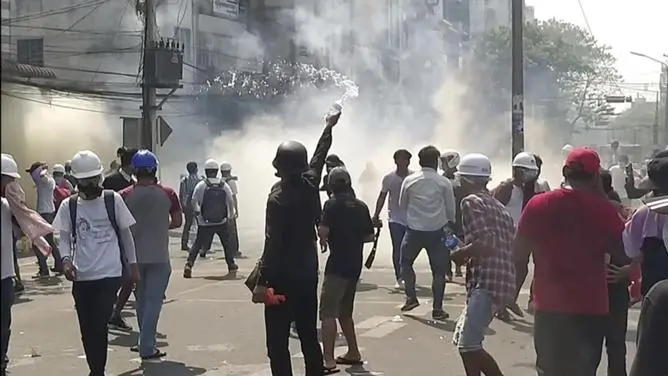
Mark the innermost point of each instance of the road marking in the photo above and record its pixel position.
(357, 301)
(372, 322)
(383, 330)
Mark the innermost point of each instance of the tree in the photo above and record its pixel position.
(567, 71)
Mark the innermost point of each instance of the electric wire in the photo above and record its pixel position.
(51, 12)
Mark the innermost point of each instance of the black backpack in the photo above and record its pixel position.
(110, 205)
(214, 203)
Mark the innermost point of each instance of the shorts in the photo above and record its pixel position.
(337, 297)
(474, 321)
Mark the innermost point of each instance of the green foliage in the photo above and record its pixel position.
(566, 68)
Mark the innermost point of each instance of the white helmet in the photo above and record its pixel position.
(86, 164)
(58, 168)
(450, 158)
(9, 166)
(475, 164)
(211, 164)
(567, 149)
(225, 166)
(525, 160)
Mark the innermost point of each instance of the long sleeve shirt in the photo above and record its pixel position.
(428, 199)
(293, 211)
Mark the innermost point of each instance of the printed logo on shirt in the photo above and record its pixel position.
(98, 231)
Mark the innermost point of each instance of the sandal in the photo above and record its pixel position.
(156, 355)
(348, 362)
(330, 371)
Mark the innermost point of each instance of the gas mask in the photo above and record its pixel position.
(90, 188)
(529, 175)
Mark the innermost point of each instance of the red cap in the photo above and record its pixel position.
(584, 159)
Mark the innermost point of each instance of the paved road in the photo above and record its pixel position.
(209, 328)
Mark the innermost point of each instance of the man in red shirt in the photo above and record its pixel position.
(570, 230)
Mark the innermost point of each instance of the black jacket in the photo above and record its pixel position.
(116, 182)
(293, 211)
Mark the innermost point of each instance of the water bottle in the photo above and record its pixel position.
(335, 109)
(450, 240)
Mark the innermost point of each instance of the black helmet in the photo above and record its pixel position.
(291, 158)
(339, 176)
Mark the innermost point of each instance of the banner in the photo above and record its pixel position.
(226, 8)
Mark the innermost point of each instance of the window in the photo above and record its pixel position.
(30, 51)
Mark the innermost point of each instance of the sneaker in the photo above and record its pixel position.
(399, 285)
(187, 272)
(410, 305)
(439, 315)
(202, 255)
(41, 275)
(448, 277)
(233, 267)
(19, 288)
(117, 322)
(184, 247)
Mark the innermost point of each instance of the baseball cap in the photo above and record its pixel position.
(35, 166)
(583, 160)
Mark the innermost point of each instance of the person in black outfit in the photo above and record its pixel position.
(289, 261)
(652, 340)
(618, 300)
(332, 161)
(117, 181)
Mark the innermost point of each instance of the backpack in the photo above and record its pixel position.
(214, 203)
(110, 205)
(59, 194)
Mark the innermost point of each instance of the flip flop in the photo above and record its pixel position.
(348, 362)
(330, 371)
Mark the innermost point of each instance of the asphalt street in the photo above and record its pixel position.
(209, 327)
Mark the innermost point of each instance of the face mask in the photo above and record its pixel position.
(90, 188)
(529, 175)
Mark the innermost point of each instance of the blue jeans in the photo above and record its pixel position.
(474, 321)
(150, 293)
(439, 261)
(397, 231)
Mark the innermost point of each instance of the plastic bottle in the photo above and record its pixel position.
(335, 109)
(450, 241)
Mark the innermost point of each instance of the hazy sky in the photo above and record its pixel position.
(637, 25)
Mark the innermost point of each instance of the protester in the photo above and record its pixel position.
(118, 181)
(429, 202)
(488, 231)
(618, 295)
(391, 187)
(618, 174)
(367, 181)
(289, 263)
(157, 210)
(59, 177)
(344, 228)
(95, 226)
(45, 186)
(644, 234)
(449, 161)
(226, 175)
(213, 206)
(514, 194)
(331, 161)
(650, 358)
(569, 230)
(186, 189)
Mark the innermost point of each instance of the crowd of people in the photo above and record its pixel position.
(594, 255)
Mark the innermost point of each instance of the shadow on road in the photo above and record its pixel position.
(448, 326)
(364, 287)
(164, 368)
(225, 277)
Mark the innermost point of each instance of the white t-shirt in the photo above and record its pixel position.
(6, 241)
(233, 187)
(97, 254)
(514, 205)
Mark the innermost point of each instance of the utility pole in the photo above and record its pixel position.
(517, 117)
(149, 107)
(655, 126)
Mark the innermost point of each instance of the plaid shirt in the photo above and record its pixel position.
(186, 190)
(487, 222)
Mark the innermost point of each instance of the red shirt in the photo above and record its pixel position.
(569, 230)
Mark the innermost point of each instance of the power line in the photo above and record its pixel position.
(53, 12)
(79, 31)
(584, 16)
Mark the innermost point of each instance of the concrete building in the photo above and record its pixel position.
(486, 15)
